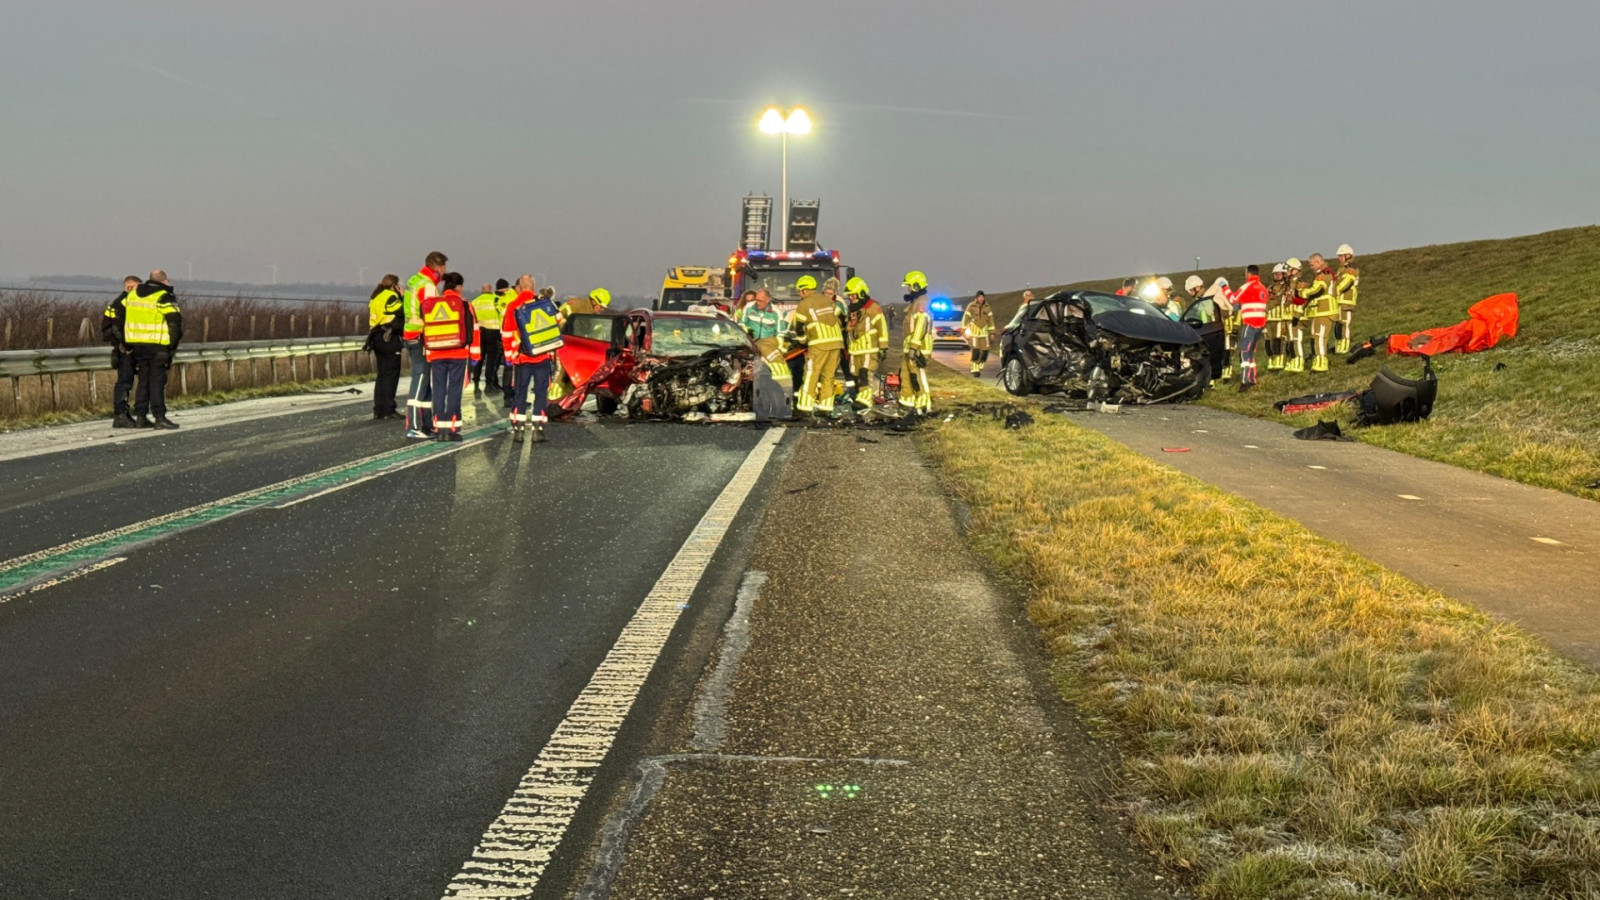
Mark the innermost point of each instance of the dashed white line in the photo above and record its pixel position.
(1551, 541)
(1319, 468)
(1251, 447)
(589, 455)
(1408, 497)
(511, 858)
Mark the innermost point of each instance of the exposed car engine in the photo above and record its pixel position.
(717, 381)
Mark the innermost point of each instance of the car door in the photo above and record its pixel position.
(586, 341)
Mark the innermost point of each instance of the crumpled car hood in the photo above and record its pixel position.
(1143, 327)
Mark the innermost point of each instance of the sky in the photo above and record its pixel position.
(991, 145)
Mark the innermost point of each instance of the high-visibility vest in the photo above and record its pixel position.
(383, 309)
(147, 319)
(486, 309)
(820, 320)
(502, 302)
(762, 324)
(538, 331)
(417, 286)
(1318, 296)
(444, 323)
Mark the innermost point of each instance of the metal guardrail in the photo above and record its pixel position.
(65, 360)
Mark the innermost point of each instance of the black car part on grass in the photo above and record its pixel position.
(1102, 347)
(1322, 431)
(1392, 399)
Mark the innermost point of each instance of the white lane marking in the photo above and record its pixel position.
(1251, 447)
(1551, 541)
(75, 573)
(589, 455)
(513, 854)
(389, 471)
(1408, 497)
(1319, 468)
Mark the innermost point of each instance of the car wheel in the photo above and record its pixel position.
(604, 405)
(1014, 377)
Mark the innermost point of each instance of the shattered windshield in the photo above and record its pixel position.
(691, 337)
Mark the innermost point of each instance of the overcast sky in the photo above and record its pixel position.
(990, 144)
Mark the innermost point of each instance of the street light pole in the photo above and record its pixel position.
(775, 122)
(784, 208)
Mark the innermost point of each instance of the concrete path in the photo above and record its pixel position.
(880, 723)
(1526, 555)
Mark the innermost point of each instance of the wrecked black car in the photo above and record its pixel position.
(650, 364)
(1102, 347)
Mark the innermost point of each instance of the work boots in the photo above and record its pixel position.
(517, 433)
(123, 420)
(538, 434)
(165, 424)
(1319, 364)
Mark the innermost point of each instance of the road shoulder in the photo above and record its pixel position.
(891, 730)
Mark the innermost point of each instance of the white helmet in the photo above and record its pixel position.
(1344, 250)
(1165, 282)
(1192, 282)
(1280, 269)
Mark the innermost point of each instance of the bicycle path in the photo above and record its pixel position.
(1526, 555)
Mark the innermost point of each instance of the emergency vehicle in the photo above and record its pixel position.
(777, 271)
(693, 289)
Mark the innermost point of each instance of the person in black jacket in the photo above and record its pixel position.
(152, 327)
(121, 358)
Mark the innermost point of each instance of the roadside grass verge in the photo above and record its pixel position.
(180, 403)
(1537, 420)
(1296, 721)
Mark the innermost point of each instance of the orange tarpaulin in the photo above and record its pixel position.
(1489, 321)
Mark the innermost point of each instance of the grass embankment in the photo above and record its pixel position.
(1296, 721)
(191, 401)
(1537, 420)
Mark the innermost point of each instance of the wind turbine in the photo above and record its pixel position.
(191, 268)
(361, 274)
(274, 268)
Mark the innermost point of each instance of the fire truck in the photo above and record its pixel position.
(756, 267)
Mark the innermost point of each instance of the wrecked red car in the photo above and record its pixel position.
(650, 364)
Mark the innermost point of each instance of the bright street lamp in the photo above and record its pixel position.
(775, 122)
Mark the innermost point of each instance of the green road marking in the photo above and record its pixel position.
(24, 570)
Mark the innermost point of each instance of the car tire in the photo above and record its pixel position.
(604, 405)
(1014, 377)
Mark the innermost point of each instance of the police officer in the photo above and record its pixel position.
(152, 327)
(915, 393)
(977, 323)
(121, 358)
(868, 330)
(1345, 284)
(816, 321)
(385, 321)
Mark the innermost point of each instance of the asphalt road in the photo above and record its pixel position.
(331, 697)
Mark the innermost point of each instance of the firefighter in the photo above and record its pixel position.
(868, 329)
(450, 342)
(1278, 318)
(1322, 310)
(765, 326)
(815, 321)
(152, 326)
(1345, 285)
(977, 323)
(915, 394)
(598, 300)
(419, 400)
(121, 357)
(385, 320)
(1296, 320)
(531, 334)
(486, 311)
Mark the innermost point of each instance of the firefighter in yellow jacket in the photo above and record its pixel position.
(977, 324)
(1278, 318)
(915, 395)
(1296, 320)
(817, 323)
(868, 329)
(1322, 309)
(1345, 283)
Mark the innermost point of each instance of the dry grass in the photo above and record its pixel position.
(36, 319)
(1297, 721)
